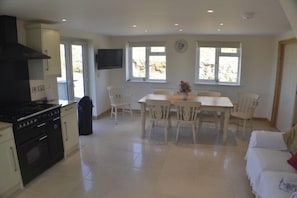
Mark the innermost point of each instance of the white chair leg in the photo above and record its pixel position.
(194, 133)
(177, 132)
(151, 128)
(244, 128)
(116, 114)
(165, 132)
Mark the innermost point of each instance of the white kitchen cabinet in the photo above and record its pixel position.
(10, 174)
(45, 39)
(69, 128)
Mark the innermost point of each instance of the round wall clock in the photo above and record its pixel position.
(181, 45)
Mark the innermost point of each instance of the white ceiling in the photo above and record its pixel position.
(116, 17)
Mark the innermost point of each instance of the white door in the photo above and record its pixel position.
(286, 111)
(71, 84)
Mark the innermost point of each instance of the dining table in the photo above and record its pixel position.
(208, 103)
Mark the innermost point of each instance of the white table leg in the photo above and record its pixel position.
(226, 122)
(142, 112)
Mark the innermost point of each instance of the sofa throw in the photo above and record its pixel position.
(290, 138)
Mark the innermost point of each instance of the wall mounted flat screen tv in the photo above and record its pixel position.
(109, 58)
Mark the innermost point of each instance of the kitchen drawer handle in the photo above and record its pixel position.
(47, 64)
(66, 131)
(13, 157)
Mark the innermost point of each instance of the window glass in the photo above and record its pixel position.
(217, 63)
(147, 62)
(207, 63)
(138, 62)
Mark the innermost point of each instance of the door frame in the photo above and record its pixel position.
(278, 80)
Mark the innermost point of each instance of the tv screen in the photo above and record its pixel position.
(109, 58)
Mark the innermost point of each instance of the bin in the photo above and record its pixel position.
(85, 106)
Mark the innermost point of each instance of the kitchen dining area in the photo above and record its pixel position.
(115, 153)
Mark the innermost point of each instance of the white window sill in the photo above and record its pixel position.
(216, 84)
(146, 81)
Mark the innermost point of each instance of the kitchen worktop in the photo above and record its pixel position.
(4, 125)
(60, 102)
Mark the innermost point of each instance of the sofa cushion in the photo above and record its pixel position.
(260, 159)
(293, 161)
(267, 139)
(290, 138)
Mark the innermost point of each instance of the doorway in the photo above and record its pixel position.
(71, 84)
(284, 103)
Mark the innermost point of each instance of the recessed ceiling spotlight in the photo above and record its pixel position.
(218, 30)
(64, 20)
(176, 24)
(180, 30)
(210, 11)
(248, 15)
(221, 24)
(134, 26)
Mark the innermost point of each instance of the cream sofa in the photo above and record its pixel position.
(266, 164)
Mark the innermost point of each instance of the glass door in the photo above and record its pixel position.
(71, 84)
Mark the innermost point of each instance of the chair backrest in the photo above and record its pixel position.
(187, 110)
(116, 94)
(209, 93)
(247, 103)
(163, 91)
(158, 110)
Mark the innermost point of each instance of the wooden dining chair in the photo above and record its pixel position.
(244, 109)
(204, 114)
(158, 114)
(187, 114)
(119, 101)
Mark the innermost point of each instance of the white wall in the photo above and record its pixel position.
(258, 67)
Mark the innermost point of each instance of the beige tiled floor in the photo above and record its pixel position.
(115, 162)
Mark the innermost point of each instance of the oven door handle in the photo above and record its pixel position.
(57, 118)
(41, 125)
(42, 138)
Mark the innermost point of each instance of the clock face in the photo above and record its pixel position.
(181, 45)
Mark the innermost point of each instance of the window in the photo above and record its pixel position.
(146, 62)
(218, 62)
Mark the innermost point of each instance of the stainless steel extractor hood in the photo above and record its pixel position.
(10, 49)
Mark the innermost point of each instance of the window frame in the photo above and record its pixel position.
(148, 53)
(218, 45)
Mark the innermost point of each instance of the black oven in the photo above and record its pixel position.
(33, 151)
(38, 137)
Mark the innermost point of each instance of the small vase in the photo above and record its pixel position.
(184, 95)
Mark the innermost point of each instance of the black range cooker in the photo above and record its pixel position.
(38, 136)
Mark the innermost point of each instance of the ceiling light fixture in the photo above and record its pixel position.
(64, 20)
(248, 15)
(176, 24)
(210, 11)
(218, 30)
(134, 26)
(221, 24)
(180, 30)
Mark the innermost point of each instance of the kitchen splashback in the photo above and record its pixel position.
(14, 82)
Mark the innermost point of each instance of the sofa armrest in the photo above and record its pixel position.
(268, 139)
